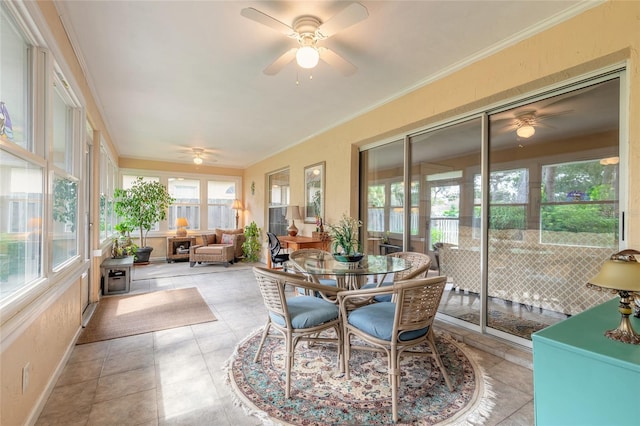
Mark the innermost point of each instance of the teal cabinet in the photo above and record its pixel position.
(583, 378)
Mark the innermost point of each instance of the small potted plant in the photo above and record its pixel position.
(140, 207)
(345, 239)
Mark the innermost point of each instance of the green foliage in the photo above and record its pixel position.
(507, 217)
(345, 235)
(65, 202)
(142, 205)
(580, 218)
(251, 246)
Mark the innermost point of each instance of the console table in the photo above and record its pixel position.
(174, 252)
(583, 378)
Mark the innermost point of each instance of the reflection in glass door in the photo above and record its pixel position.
(549, 200)
(553, 206)
(445, 162)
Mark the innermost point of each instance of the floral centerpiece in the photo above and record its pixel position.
(345, 238)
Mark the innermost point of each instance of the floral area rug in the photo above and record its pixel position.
(321, 396)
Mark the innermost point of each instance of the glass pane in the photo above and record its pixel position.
(15, 123)
(220, 196)
(65, 222)
(446, 161)
(381, 169)
(279, 192)
(553, 217)
(21, 231)
(62, 133)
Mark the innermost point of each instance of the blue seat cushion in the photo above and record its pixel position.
(307, 311)
(377, 320)
(324, 281)
(383, 297)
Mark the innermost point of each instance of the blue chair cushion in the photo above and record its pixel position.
(307, 311)
(377, 320)
(381, 298)
(324, 281)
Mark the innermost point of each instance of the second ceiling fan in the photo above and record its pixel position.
(308, 30)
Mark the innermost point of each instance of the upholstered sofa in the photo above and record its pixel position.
(223, 246)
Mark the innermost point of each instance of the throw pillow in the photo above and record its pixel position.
(228, 239)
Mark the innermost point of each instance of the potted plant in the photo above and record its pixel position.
(345, 240)
(251, 246)
(140, 207)
(124, 243)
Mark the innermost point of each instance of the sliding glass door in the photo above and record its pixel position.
(517, 206)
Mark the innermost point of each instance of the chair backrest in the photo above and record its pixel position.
(420, 264)
(417, 302)
(272, 288)
(274, 244)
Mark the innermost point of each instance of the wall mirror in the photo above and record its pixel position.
(313, 192)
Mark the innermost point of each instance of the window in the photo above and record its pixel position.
(279, 192)
(15, 120)
(375, 202)
(509, 197)
(108, 173)
(186, 193)
(63, 123)
(580, 203)
(65, 220)
(21, 242)
(220, 196)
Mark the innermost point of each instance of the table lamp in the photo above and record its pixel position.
(621, 274)
(237, 205)
(293, 213)
(181, 223)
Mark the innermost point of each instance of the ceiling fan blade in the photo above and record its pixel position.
(337, 61)
(348, 16)
(264, 19)
(281, 62)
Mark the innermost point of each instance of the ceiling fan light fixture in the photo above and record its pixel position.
(307, 57)
(197, 159)
(525, 131)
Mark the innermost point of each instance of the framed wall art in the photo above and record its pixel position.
(314, 192)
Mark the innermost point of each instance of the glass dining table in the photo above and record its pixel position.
(349, 275)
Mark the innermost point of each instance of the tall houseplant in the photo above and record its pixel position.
(251, 246)
(141, 206)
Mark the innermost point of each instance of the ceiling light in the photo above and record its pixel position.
(197, 159)
(307, 57)
(525, 131)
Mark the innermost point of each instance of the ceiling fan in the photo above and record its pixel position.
(199, 155)
(308, 30)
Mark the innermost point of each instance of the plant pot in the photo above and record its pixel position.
(143, 254)
(348, 258)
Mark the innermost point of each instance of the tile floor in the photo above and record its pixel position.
(176, 377)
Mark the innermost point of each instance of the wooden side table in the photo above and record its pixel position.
(178, 248)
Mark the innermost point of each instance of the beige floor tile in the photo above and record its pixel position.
(76, 398)
(89, 352)
(172, 336)
(514, 375)
(523, 417)
(121, 384)
(131, 409)
(80, 372)
(172, 371)
(118, 363)
(131, 344)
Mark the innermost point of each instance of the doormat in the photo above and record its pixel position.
(506, 322)
(127, 315)
(321, 396)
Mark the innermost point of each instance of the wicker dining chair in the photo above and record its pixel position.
(295, 258)
(420, 264)
(299, 317)
(395, 328)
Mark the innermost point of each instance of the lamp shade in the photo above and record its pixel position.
(181, 222)
(237, 205)
(619, 274)
(293, 213)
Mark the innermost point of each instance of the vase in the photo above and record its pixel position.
(348, 258)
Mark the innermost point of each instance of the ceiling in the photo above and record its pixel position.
(169, 76)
